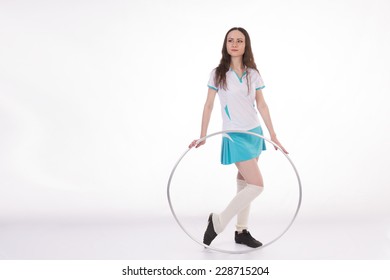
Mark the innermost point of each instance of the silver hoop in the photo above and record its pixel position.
(225, 133)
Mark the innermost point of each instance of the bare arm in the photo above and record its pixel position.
(207, 110)
(263, 109)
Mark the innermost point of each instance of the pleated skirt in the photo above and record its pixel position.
(241, 146)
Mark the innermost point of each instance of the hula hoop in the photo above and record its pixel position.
(225, 132)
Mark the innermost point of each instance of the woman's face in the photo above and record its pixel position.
(235, 43)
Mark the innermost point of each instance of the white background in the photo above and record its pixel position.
(98, 99)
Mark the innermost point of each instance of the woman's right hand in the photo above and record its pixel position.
(196, 144)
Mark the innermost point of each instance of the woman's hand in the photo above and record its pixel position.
(194, 144)
(276, 141)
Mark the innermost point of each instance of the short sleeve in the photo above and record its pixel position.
(259, 83)
(211, 84)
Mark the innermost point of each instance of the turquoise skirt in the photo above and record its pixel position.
(242, 146)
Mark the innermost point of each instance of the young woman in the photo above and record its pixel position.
(239, 86)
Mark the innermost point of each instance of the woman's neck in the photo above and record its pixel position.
(236, 63)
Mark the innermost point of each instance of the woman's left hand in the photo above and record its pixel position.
(276, 141)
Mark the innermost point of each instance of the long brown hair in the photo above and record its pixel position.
(224, 65)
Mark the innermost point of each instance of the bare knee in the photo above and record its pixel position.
(258, 183)
(239, 176)
(250, 171)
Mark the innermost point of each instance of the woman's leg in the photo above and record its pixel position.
(243, 215)
(239, 176)
(251, 173)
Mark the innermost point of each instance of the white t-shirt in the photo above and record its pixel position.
(237, 104)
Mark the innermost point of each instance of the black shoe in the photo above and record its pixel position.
(246, 238)
(210, 233)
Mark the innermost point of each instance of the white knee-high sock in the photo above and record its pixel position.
(243, 215)
(239, 202)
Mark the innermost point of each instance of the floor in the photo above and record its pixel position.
(162, 238)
